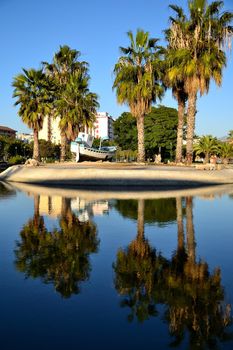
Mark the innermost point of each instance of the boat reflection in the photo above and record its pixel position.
(192, 298)
(6, 191)
(60, 256)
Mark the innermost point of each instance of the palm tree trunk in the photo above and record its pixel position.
(49, 128)
(180, 226)
(191, 245)
(36, 210)
(207, 158)
(192, 101)
(66, 211)
(141, 209)
(63, 147)
(141, 146)
(179, 142)
(36, 150)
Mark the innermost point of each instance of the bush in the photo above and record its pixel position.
(16, 160)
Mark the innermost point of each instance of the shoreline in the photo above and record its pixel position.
(114, 175)
(206, 192)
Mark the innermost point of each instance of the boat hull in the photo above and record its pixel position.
(87, 154)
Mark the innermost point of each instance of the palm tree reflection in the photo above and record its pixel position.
(137, 270)
(193, 298)
(60, 256)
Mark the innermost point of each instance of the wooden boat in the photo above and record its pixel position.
(83, 150)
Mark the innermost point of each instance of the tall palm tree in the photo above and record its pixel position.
(137, 76)
(32, 91)
(199, 56)
(177, 83)
(73, 102)
(79, 103)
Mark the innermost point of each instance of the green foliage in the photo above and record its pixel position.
(160, 131)
(137, 79)
(3, 144)
(191, 295)
(126, 155)
(125, 131)
(207, 145)
(196, 53)
(96, 143)
(72, 100)
(225, 151)
(16, 160)
(48, 150)
(157, 211)
(32, 93)
(59, 257)
(10, 147)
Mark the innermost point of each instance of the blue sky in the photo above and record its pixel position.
(32, 31)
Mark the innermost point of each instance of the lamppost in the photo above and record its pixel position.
(16, 150)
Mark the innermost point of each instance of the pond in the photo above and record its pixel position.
(108, 270)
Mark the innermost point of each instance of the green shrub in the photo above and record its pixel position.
(16, 160)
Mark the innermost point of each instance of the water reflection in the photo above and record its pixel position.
(193, 298)
(161, 211)
(59, 256)
(6, 191)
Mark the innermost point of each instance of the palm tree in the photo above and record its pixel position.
(73, 102)
(137, 75)
(208, 145)
(226, 151)
(177, 84)
(135, 275)
(32, 91)
(60, 256)
(79, 103)
(198, 56)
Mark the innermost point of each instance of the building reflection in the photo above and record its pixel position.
(193, 298)
(60, 256)
(52, 206)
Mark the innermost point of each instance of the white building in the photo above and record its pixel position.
(24, 137)
(103, 127)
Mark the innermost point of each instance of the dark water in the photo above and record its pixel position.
(84, 270)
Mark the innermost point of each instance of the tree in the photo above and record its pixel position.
(193, 298)
(79, 103)
(160, 131)
(177, 84)
(125, 131)
(157, 211)
(137, 76)
(31, 89)
(226, 151)
(135, 275)
(48, 150)
(60, 256)
(207, 145)
(198, 55)
(73, 103)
